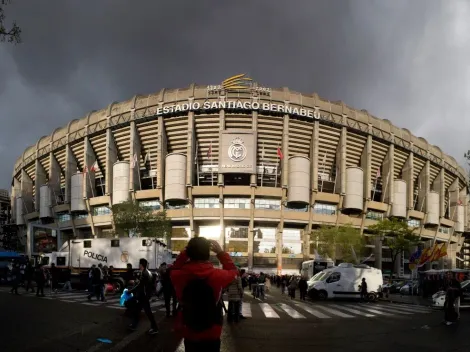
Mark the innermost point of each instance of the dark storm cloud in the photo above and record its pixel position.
(403, 60)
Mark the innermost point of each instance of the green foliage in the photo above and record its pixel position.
(396, 235)
(131, 218)
(12, 34)
(339, 241)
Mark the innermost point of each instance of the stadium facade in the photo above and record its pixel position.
(254, 167)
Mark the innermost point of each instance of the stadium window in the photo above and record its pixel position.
(269, 204)
(153, 204)
(86, 244)
(374, 215)
(325, 209)
(414, 223)
(101, 210)
(237, 203)
(206, 203)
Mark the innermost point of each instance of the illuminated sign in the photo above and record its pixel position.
(238, 83)
(238, 104)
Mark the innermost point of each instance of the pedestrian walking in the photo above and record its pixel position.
(235, 295)
(143, 292)
(363, 290)
(40, 278)
(16, 277)
(303, 286)
(29, 275)
(167, 289)
(292, 287)
(198, 287)
(67, 280)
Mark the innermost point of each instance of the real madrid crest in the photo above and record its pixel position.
(237, 150)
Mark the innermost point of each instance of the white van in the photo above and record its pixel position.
(344, 280)
(312, 267)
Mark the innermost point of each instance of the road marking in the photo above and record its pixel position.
(413, 309)
(375, 311)
(335, 312)
(66, 300)
(291, 312)
(268, 311)
(116, 307)
(246, 310)
(312, 311)
(355, 311)
(395, 310)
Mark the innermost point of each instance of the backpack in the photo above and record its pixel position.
(200, 309)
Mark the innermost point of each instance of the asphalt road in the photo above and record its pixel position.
(35, 324)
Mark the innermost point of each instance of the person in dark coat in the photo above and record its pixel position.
(168, 289)
(363, 288)
(303, 286)
(28, 275)
(40, 278)
(16, 275)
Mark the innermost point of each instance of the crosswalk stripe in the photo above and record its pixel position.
(395, 310)
(268, 311)
(116, 307)
(246, 310)
(375, 311)
(312, 311)
(355, 311)
(413, 309)
(291, 312)
(335, 312)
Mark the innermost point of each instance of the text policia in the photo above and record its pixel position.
(238, 104)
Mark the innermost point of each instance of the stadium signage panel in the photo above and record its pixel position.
(238, 104)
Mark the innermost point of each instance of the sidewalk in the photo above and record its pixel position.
(416, 300)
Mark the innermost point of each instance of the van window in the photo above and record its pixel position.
(86, 244)
(334, 278)
(114, 243)
(61, 261)
(45, 260)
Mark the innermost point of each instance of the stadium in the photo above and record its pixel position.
(253, 167)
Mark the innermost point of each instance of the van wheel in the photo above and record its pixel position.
(118, 285)
(372, 297)
(322, 295)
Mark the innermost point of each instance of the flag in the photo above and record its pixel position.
(209, 152)
(195, 154)
(93, 168)
(279, 153)
(134, 161)
(437, 252)
(324, 159)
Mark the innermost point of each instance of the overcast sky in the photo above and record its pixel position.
(406, 61)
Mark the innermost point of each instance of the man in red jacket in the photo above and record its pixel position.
(198, 287)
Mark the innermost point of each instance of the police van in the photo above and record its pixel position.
(343, 281)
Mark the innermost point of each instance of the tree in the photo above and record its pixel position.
(133, 219)
(345, 242)
(12, 34)
(396, 235)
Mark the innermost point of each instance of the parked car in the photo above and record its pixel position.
(405, 289)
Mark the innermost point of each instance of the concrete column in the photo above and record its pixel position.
(111, 158)
(55, 174)
(439, 186)
(220, 180)
(135, 151)
(407, 175)
(366, 164)
(161, 153)
(341, 163)
(90, 158)
(378, 252)
(285, 152)
(40, 178)
(27, 192)
(464, 201)
(388, 171)
(15, 192)
(190, 166)
(253, 177)
(314, 155)
(71, 168)
(253, 183)
(424, 181)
